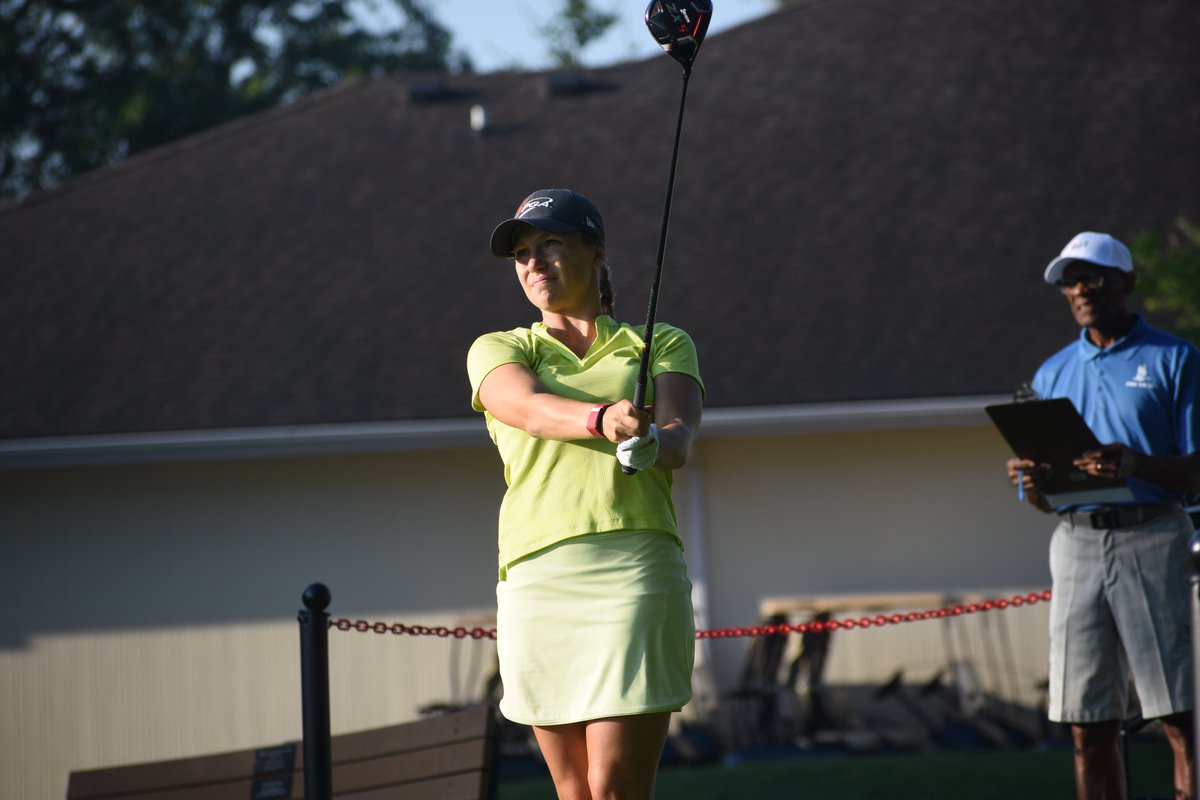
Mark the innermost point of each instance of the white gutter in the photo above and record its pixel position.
(933, 412)
(227, 443)
(357, 437)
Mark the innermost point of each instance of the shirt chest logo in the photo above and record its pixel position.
(1141, 379)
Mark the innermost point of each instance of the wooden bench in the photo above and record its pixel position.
(447, 757)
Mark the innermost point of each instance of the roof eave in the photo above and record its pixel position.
(928, 412)
(445, 434)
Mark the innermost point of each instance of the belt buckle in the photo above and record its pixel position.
(1104, 518)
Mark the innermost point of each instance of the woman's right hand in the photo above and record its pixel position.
(623, 420)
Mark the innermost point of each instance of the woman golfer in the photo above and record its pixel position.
(594, 615)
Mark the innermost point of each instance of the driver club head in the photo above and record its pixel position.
(679, 26)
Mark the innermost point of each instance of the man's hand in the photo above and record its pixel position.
(1029, 477)
(1110, 461)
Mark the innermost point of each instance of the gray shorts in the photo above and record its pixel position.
(1120, 612)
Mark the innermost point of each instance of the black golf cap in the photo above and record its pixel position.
(554, 210)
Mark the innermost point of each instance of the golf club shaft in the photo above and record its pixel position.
(639, 388)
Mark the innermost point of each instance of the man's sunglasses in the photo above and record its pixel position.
(1090, 280)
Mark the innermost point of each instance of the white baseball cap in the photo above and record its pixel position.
(1094, 248)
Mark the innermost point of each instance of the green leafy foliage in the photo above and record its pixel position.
(88, 82)
(1169, 276)
(575, 26)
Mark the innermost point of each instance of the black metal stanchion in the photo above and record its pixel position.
(1194, 548)
(314, 684)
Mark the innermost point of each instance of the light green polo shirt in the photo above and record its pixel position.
(557, 490)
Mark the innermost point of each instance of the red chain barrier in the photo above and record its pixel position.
(849, 624)
(879, 620)
(362, 626)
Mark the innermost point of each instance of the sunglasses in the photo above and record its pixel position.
(1090, 280)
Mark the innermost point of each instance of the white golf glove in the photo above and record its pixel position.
(640, 452)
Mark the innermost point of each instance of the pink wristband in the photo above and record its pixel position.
(596, 419)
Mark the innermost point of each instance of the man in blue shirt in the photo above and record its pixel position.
(1120, 606)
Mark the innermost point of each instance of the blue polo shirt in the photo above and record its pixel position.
(1143, 392)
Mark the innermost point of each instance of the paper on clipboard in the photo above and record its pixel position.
(1053, 432)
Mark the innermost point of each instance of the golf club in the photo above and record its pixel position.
(679, 27)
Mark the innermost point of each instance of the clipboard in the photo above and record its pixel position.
(1053, 432)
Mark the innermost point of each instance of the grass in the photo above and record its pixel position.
(974, 775)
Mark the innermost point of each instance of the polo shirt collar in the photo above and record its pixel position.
(1089, 351)
(604, 326)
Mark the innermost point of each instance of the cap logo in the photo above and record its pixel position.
(534, 202)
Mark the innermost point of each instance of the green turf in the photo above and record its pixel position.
(977, 775)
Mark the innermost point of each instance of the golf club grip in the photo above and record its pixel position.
(639, 389)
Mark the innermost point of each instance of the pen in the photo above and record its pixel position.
(1020, 484)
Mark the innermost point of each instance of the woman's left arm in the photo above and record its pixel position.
(678, 403)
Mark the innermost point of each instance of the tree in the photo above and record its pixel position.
(89, 82)
(573, 28)
(1169, 276)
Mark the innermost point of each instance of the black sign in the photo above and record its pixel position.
(273, 772)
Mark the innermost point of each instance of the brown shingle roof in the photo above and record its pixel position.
(867, 193)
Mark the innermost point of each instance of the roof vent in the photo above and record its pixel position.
(479, 121)
(566, 84)
(429, 90)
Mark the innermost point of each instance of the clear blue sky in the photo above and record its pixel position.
(504, 34)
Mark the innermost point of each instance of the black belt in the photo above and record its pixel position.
(1118, 516)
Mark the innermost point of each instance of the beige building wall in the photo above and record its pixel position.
(152, 608)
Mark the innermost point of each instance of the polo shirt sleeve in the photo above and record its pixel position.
(490, 351)
(1040, 384)
(674, 351)
(1187, 402)
(1046, 381)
